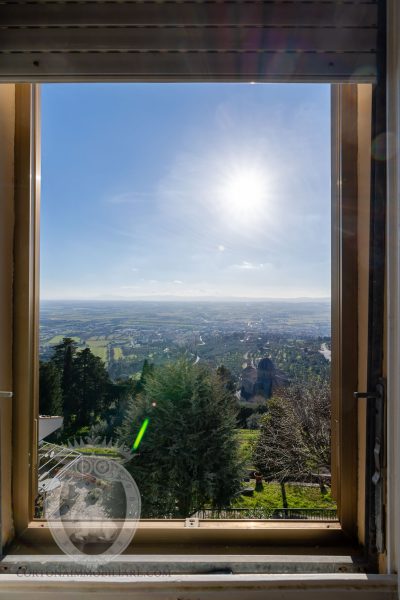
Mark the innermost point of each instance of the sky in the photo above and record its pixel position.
(184, 191)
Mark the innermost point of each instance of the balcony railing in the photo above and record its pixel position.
(301, 514)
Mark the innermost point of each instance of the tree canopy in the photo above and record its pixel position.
(294, 442)
(50, 392)
(188, 458)
(76, 385)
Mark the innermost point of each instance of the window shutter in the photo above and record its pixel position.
(189, 40)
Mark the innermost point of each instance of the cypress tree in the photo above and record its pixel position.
(63, 359)
(90, 384)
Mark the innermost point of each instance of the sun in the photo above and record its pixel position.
(244, 194)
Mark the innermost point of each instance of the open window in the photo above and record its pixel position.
(215, 263)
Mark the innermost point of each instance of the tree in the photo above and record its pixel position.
(147, 371)
(188, 458)
(247, 409)
(253, 422)
(86, 388)
(118, 395)
(90, 381)
(294, 441)
(227, 378)
(50, 394)
(63, 359)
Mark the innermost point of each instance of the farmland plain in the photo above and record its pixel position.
(124, 334)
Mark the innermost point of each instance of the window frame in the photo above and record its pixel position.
(345, 253)
(345, 309)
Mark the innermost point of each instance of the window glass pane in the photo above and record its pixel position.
(185, 295)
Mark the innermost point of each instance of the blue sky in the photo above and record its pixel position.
(185, 191)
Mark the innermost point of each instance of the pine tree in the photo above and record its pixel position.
(188, 458)
(50, 394)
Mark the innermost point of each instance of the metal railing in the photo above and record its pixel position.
(301, 514)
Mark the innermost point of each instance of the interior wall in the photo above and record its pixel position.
(7, 122)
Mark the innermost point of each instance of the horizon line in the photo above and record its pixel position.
(194, 299)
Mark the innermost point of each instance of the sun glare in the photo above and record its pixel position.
(244, 194)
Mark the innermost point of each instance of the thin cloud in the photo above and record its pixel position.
(249, 266)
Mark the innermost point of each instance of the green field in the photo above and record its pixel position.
(117, 353)
(100, 351)
(96, 343)
(59, 338)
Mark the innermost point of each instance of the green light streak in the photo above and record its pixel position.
(141, 433)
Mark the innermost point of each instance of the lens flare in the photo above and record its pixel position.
(140, 435)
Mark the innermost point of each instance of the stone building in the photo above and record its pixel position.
(257, 381)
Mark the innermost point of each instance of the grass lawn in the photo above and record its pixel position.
(248, 435)
(110, 452)
(297, 496)
(247, 438)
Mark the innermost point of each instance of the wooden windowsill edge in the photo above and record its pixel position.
(213, 525)
(240, 533)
